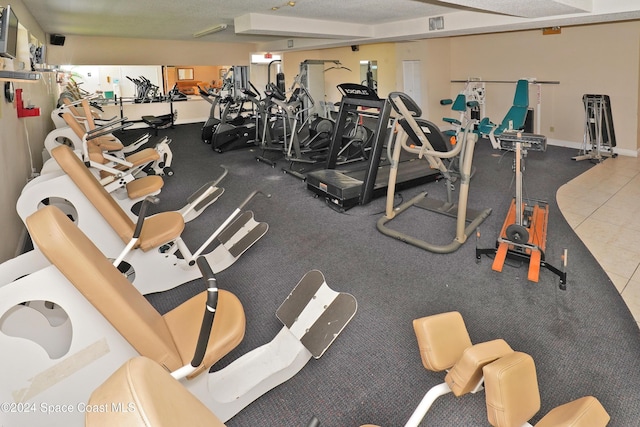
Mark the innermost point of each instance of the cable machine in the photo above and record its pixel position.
(599, 136)
(524, 233)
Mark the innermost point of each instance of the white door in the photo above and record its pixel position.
(411, 79)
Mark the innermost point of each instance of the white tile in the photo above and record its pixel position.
(627, 239)
(616, 260)
(597, 232)
(614, 216)
(573, 219)
(619, 281)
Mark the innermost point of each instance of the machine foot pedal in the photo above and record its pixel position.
(501, 256)
(242, 233)
(534, 266)
(315, 313)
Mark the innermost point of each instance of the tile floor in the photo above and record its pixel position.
(603, 207)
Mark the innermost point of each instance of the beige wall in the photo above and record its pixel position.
(79, 50)
(435, 73)
(18, 137)
(383, 53)
(597, 59)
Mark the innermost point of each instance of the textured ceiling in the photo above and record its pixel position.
(314, 21)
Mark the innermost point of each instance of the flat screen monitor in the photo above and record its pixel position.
(8, 33)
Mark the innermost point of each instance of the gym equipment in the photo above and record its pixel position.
(271, 125)
(524, 233)
(164, 121)
(360, 182)
(237, 132)
(159, 256)
(161, 401)
(91, 141)
(513, 398)
(132, 194)
(142, 162)
(298, 115)
(422, 137)
(599, 137)
(475, 89)
(145, 91)
(111, 322)
(209, 126)
(444, 344)
(514, 119)
(508, 376)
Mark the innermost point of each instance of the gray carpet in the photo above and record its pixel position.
(584, 340)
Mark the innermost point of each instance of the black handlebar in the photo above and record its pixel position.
(209, 312)
(143, 213)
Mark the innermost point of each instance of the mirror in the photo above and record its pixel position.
(185, 73)
(369, 74)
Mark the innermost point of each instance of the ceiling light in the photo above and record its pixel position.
(291, 3)
(217, 28)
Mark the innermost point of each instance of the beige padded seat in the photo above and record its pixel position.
(141, 187)
(156, 399)
(105, 142)
(157, 230)
(442, 338)
(466, 374)
(512, 394)
(169, 339)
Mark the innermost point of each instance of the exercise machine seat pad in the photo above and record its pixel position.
(159, 400)
(137, 159)
(105, 142)
(466, 374)
(171, 339)
(227, 331)
(430, 131)
(583, 412)
(141, 187)
(157, 230)
(511, 389)
(442, 338)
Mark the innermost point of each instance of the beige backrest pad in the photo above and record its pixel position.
(82, 263)
(94, 192)
(156, 399)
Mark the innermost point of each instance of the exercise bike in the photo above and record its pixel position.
(237, 132)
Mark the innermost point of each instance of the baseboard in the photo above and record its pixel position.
(578, 145)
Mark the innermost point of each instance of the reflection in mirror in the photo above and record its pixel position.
(185, 73)
(369, 74)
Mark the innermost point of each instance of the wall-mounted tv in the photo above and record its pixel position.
(8, 33)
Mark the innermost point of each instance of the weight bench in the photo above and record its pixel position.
(513, 120)
(511, 390)
(111, 322)
(159, 122)
(444, 344)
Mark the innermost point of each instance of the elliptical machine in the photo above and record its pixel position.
(212, 122)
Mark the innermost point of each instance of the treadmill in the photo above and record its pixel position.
(346, 186)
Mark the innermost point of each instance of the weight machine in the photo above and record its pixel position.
(524, 233)
(599, 136)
